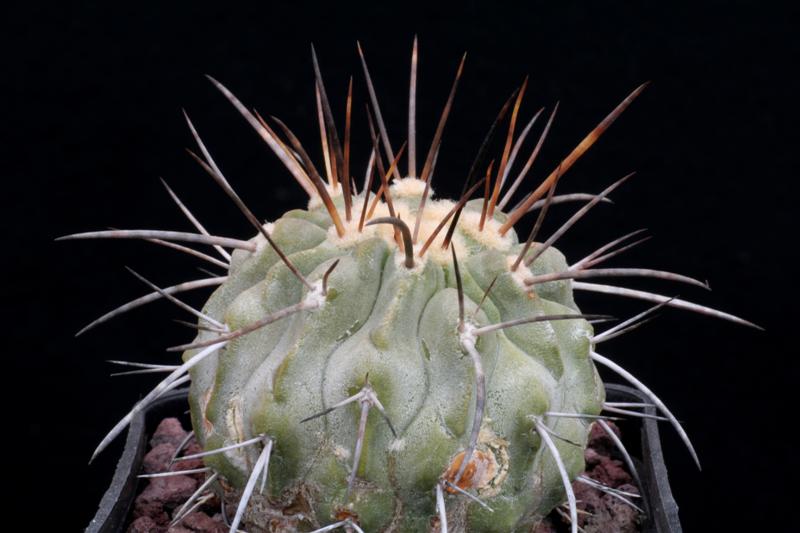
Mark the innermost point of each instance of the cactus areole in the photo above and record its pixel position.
(385, 360)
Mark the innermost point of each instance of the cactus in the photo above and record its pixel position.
(389, 361)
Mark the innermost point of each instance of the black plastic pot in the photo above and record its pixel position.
(661, 509)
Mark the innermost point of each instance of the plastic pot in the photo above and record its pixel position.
(660, 506)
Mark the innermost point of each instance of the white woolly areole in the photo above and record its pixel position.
(409, 186)
(405, 194)
(400, 261)
(490, 237)
(260, 241)
(467, 334)
(341, 453)
(315, 297)
(521, 274)
(432, 215)
(441, 255)
(435, 211)
(351, 235)
(316, 202)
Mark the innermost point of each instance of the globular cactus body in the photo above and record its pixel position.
(398, 328)
(352, 368)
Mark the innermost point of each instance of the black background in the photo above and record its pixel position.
(93, 119)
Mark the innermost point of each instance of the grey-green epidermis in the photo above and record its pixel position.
(399, 327)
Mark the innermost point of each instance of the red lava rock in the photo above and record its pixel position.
(168, 431)
(202, 523)
(163, 492)
(588, 498)
(157, 459)
(611, 515)
(599, 439)
(191, 464)
(600, 465)
(591, 457)
(165, 441)
(611, 472)
(162, 497)
(604, 513)
(145, 524)
(153, 511)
